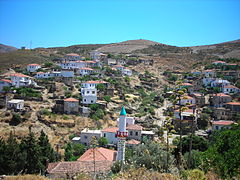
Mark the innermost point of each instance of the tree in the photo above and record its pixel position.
(103, 141)
(47, 153)
(68, 152)
(107, 98)
(31, 150)
(223, 154)
(101, 87)
(198, 143)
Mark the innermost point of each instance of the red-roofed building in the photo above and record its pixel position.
(98, 154)
(134, 131)
(132, 142)
(5, 83)
(110, 134)
(217, 125)
(72, 57)
(230, 89)
(219, 63)
(69, 169)
(85, 71)
(71, 106)
(233, 106)
(187, 100)
(19, 80)
(33, 67)
(219, 99)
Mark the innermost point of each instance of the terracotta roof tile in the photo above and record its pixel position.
(6, 80)
(230, 86)
(110, 129)
(226, 123)
(221, 95)
(33, 65)
(72, 54)
(234, 103)
(101, 154)
(71, 100)
(133, 141)
(19, 75)
(134, 127)
(78, 167)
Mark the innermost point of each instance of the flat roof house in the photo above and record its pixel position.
(16, 104)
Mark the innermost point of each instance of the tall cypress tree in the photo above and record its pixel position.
(47, 153)
(2, 156)
(31, 149)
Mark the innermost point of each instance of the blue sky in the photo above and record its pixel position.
(51, 23)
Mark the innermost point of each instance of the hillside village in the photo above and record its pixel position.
(76, 99)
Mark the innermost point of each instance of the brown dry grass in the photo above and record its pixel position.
(26, 177)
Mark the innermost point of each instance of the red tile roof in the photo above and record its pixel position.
(90, 61)
(101, 154)
(19, 75)
(221, 95)
(71, 100)
(134, 127)
(96, 82)
(6, 80)
(186, 84)
(33, 65)
(40, 72)
(219, 62)
(234, 103)
(225, 123)
(133, 141)
(230, 86)
(86, 68)
(187, 97)
(72, 54)
(110, 129)
(78, 167)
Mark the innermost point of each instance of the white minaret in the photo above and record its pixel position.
(122, 134)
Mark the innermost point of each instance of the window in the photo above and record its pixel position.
(104, 135)
(136, 133)
(85, 137)
(131, 133)
(93, 92)
(85, 100)
(87, 92)
(91, 101)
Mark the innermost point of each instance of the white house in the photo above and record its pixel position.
(33, 67)
(209, 73)
(119, 67)
(220, 83)
(43, 75)
(21, 80)
(69, 65)
(218, 125)
(96, 55)
(219, 63)
(187, 100)
(230, 89)
(67, 73)
(72, 57)
(110, 134)
(89, 95)
(207, 81)
(85, 71)
(87, 135)
(16, 104)
(5, 83)
(92, 84)
(127, 72)
(187, 114)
